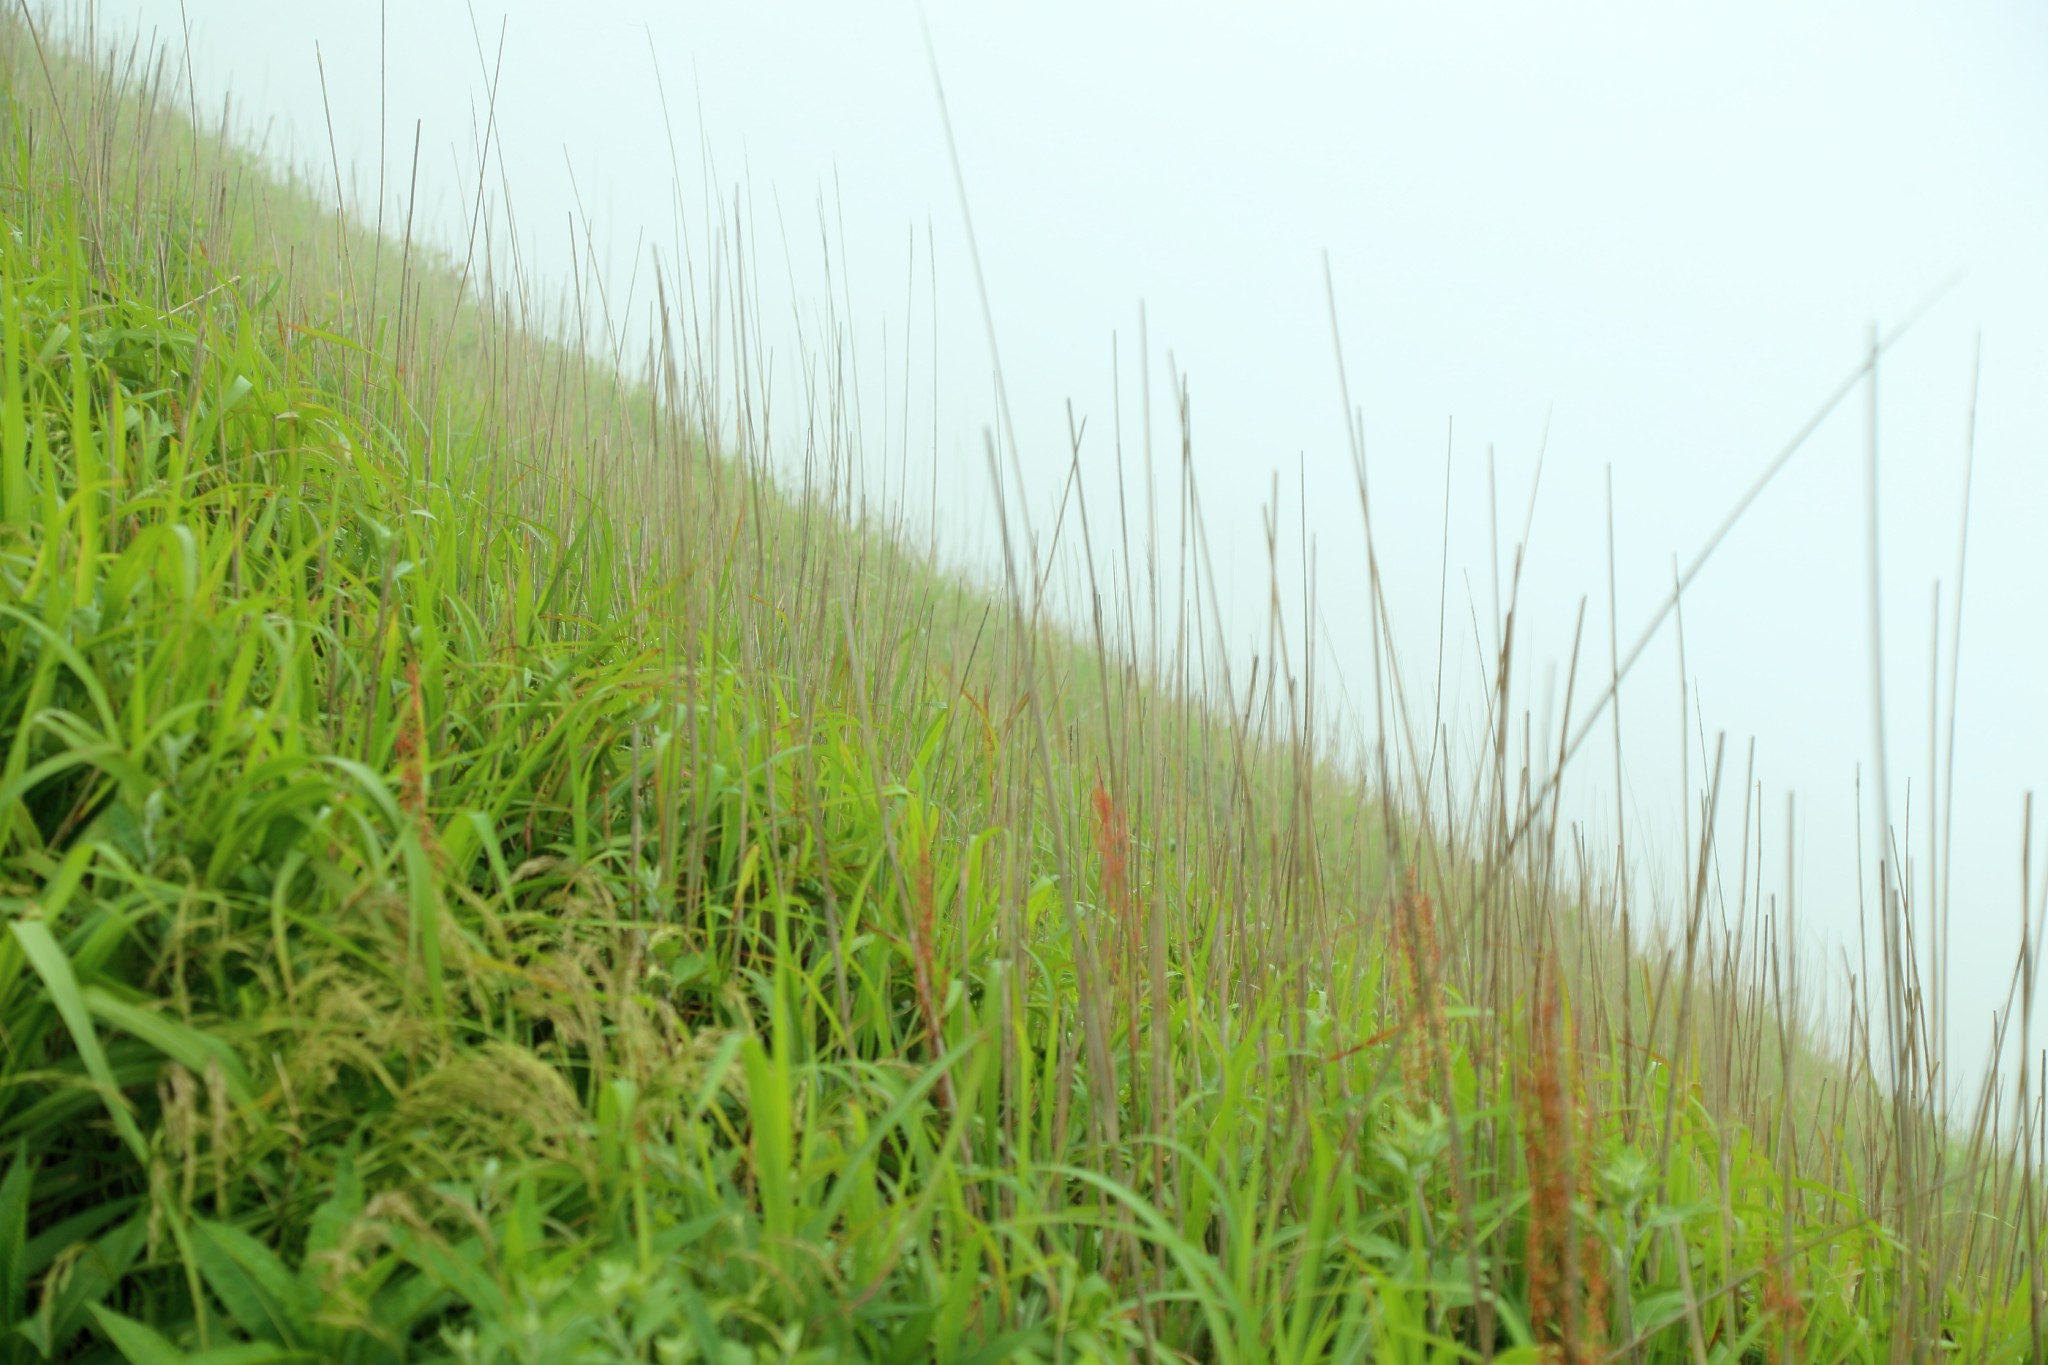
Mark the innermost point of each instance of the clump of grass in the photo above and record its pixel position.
(493, 876)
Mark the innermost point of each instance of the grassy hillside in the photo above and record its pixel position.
(491, 876)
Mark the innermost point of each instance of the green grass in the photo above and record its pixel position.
(488, 878)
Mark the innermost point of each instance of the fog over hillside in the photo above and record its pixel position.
(1646, 243)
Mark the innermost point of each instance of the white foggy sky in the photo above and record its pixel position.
(1668, 228)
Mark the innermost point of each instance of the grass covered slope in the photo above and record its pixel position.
(487, 879)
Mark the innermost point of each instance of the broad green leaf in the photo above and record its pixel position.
(15, 1189)
(189, 1047)
(138, 1344)
(262, 1296)
(55, 969)
(141, 1345)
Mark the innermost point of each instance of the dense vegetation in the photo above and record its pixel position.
(491, 876)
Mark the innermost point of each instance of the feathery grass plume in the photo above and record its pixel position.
(922, 924)
(1564, 1261)
(1784, 1311)
(1419, 969)
(408, 754)
(1113, 848)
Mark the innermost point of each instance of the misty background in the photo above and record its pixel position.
(1651, 241)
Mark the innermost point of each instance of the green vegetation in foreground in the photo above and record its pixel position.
(441, 927)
